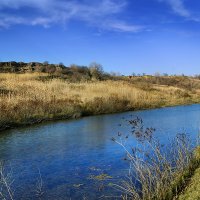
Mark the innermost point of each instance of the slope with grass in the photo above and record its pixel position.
(33, 97)
(192, 191)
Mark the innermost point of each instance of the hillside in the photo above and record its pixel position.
(12, 66)
(72, 72)
(27, 98)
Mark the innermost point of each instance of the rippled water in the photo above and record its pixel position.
(69, 153)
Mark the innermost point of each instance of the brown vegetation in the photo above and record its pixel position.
(73, 72)
(27, 98)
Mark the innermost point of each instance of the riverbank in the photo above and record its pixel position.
(192, 188)
(192, 191)
(31, 98)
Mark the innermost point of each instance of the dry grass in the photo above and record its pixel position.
(157, 172)
(5, 183)
(29, 98)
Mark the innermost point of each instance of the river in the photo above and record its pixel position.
(67, 154)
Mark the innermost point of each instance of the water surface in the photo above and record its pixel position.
(68, 153)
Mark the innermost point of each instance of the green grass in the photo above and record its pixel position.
(192, 190)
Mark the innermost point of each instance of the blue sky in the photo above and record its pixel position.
(123, 35)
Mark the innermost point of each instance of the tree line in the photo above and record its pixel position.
(77, 72)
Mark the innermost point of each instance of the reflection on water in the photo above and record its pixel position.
(68, 153)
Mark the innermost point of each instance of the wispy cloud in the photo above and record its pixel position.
(49, 12)
(178, 7)
(123, 27)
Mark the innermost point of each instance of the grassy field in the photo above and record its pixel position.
(34, 97)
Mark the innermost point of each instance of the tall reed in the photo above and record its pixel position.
(156, 172)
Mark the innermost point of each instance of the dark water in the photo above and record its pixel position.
(69, 153)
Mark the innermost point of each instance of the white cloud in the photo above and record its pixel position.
(7, 20)
(123, 27)
(178, 7)
(49, 12)
(16, 4)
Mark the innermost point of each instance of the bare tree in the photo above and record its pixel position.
(96, 70)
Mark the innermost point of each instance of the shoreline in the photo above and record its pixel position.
(28, 99)
(31, 122)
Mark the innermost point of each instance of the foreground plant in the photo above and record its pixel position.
(7, 190)
(6, 181)
(156, 172)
